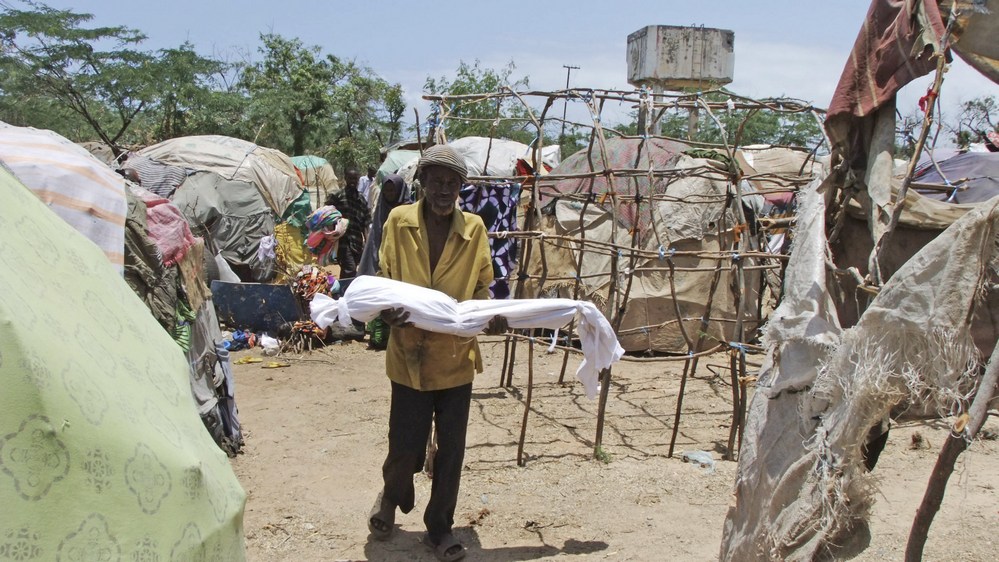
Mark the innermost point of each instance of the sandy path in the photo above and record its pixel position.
(316, 440)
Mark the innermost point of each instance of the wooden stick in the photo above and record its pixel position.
(733, 428)
(527, 402)
(896, 211)
(956, 443)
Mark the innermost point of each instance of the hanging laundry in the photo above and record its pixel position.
(496, 204)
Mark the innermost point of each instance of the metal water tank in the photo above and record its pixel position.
(673, 57)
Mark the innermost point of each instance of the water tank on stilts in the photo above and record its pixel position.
(670, 57)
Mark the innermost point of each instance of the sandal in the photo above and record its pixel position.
(381, 520)
(447, 550)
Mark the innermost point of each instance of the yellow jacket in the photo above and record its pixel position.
(417, 358)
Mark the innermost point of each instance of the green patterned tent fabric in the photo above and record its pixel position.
(102, 453)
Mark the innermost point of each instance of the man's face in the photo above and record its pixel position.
(441, 186)
(351, 179)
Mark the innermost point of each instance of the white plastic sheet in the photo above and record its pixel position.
(436, 312)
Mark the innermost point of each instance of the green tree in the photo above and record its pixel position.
(366, 115)
(93, 71)
(394, 107)
(976, 118)
(757, 126)
(739, 126)
(290, 92)
(504, 117)
(26, 107)
(303, 101)
(195, 96)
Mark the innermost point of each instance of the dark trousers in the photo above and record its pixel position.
(409, 427)
(345, 257)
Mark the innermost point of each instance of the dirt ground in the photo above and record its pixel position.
(316, 437)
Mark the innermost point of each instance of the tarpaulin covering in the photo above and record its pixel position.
(318, 177)
(974, 175)
(81, 189)
(267, 170)
(102, 453)
(802, 491)
(232, 211)
(498, 157)
(920, 211)
(686, 221)
(622, 154)
(975, 31)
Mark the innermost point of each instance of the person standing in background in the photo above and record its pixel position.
(365, 185)
(355, 209)
(394, 192)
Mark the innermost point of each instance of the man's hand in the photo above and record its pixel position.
(395, 317)
(498, 325)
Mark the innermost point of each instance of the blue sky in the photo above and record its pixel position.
(792, 48)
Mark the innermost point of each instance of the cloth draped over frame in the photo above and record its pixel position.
(369, 258)
(167, 227)
(892, 49)
(326, 226)
(496, 204)
(435, 311)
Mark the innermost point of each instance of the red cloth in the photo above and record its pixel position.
(892, 49)
(166, 226)
(169, 231)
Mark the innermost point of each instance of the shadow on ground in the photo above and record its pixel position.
(407, 546)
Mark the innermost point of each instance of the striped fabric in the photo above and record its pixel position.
(78, 187)
(161, 179)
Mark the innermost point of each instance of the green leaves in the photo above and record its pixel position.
(304, 102)
(506, 118)
(51, 53)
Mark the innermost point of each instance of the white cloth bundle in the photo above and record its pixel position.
(436, 312)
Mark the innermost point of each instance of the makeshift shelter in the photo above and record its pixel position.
(101, 151)
(890, 301)
(684, 211)
(969, 177)
(600, 227)
(162, 261)
(318, 177)
(802, 490)
(499, 157)
(93, 202)
(394, 161)
(236, 193)
(102, 456)
(642, 155)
